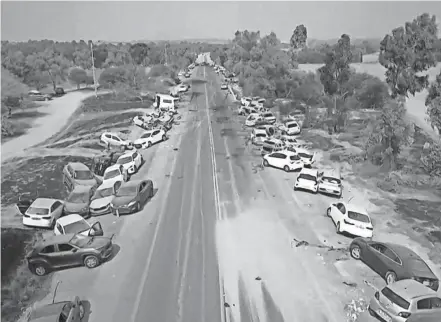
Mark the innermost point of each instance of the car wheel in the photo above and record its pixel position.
(40, 270)
(355, 251)
(91, 261)
(265, 163)
(138, 207)
(390, 277)
(338, 228)
(46, 99)
(164, 137)
(286, 168)
(328, 212)
(135, 169)
(82, 311)
(149, 144)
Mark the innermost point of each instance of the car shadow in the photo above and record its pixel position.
(115, 250)
(155, 191)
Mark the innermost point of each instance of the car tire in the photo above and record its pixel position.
(328, 212)
(390, 277)
(355, 252)
(338, 228)
(286, 168)
(91, 261)
(40, 269)
(164, 137)
(265, 163)
(149, 144)
(138, 207)
(82, 311)
(135, 169)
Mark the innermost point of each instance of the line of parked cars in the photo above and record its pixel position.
(411, 291)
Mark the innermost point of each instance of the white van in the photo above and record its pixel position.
(165, 102)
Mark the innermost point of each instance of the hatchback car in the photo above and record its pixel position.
(308, 158)
(100, 202)
(131, 197)
(393, 262)
(350, 218)
(269, 118)
(258, 136)
(291, 128)
(406, 301)
(75, 224)
(307, 180)
(68, 250)
(78, 200)
(330, 183)
(76, 173)
(271, 145)
(115, 173)
(254, 119)
(43, 212)
(149, 138)
(65, 311)
(109, 139)
(131, 161)
(286, 160)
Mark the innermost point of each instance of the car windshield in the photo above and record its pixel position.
(294, 158)
(306, 176)
(146, 135)
(167, 101)
(395, 298)
(76, 227)
(112, 174)
(260, 135)
(267, 115)
(37, 211)
(290, 125)
(305, 155)
(78, 197)
(358, 217)
(331, 180)
(127, 191)
(103, 193)
(270, 142)
(124, 160)
(83, 175)
(80, 240)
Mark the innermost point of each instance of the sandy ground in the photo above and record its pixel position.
(416, 108)
(57, 113)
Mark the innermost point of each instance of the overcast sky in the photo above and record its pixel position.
(126, 21)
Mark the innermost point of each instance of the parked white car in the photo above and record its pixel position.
(115, 173)
(253, 119)
(330, 183)
(245, 101)
(224, 86)
(75, 224)
(271, 145)
(142, 120)
(350, 218)
(258, 136)
(307, 180)
(110, 138)
(307, 157)
(43, 212)
(269, 117)
(131, 161)
(149, 138)
(291, 128)
(292, 142)
(286, 160)
(182, 88)
(103, 196)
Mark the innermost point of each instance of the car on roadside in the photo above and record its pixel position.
(308, 157)
(78, 174)
(58, 92)
(291, 128)
(307, 180)
(187, 75)
(330, 183)
(149, 138)
(350, 218)
(286, 160)
(100, 202)
(182, 88)
(245, 110)
(75, 224)
(43, 212)
(142, 120)
(131, 161)
(254, 119)
(268, 117)
(224, 86)
(271, 145)
(115, 173)
(406, 301)
(258, 136)
(62, 251)
(35, 95)
(393, 262)
(291, 141)
(131, 197)
(245, 101)
(78, 200)
(67, 311)
(270, 130)
(110, 138)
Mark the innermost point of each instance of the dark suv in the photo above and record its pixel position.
(69, 250)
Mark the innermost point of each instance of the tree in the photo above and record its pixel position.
(113, 77)
(299, 37)
(409, 51)
(12, 91)
(82, 58)
(334, 75)
(139, 53)
(78, 76)
(433, 103)
(372, 94)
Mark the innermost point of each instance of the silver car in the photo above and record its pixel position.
(406, 301)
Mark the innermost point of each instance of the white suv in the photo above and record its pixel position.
(307, 180)
(286, 160)
(131, 161)
(110, 138)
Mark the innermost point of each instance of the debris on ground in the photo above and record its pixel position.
(350, 284)
(226, 304)
(355, 308)
(299, 243)
(258, 278)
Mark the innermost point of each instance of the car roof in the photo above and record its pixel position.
(69, 219)
(259, 130)
(43, 202)
(106, 183)
(127, 153)
(78, 166)
(410, 289)
(131, 183)
(312, 172)
(81, 189)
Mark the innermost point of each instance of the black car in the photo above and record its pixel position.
(59, 91)
(69, 250)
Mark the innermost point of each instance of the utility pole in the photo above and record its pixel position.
(93, 69)
(165, 55)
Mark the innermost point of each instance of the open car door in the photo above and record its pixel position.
(96, 230)
(23, 204)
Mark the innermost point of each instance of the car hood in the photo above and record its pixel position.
(47, 313)
(90, 182)
(128, 165)
(101, 202)
(329, 185)
(140, 141)
(74, 207)
(99, 242)
(121, 201)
